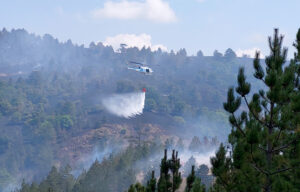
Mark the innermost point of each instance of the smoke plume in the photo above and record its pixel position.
(201, 158)
(125, 105)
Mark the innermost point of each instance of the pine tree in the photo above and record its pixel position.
(67, 180)
(137, 188)
(34, 187)
(24, 187)
(296, 151)
(264, 138)
(197, 186)
(164, 183)
(151, 184)
(229, 54)
(221, 169)
(202, 173)
(193, 184)
(190, 180)
(52, 181)
(132, 188)
(174, 165)
(170, 176)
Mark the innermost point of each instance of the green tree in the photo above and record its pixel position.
(137, 188)
(198, 186)
(199, 53)
(52, 181)
(24, 187)
(5, 107)
(229, 54)
(164, 184)
(217, 54)
(151, 184)
(221, 170)
(67, 179)
(264, 138)
(60, 181)
(174, 164)
(190, 180)
(66, 121)
(202, 173)
(193, 184)
(296, 151)
(170, 177)
(34, 187)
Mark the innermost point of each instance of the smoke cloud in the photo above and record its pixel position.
(201, 158)
(125, 105)
(85, 162)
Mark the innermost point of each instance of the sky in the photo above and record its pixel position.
(206, 25)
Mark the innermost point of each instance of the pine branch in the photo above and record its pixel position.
(280, 130)
(266, 109)
(262, 148)
(259, 120)
(238, 126)
(223, 182)
(285, 146)
(260, 170)
(297, 78)
(254, 163)
(283, 170)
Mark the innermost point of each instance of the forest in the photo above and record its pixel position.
(51, 117)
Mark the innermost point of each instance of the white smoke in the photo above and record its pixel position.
(201, 158)
(85, 162)
(125, 105)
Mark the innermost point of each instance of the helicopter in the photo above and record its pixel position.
(140, 67)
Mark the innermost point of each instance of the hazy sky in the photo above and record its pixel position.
(206, 25)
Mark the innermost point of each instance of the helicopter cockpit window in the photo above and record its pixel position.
(147, 70)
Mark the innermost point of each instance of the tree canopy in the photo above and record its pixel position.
(264, 142)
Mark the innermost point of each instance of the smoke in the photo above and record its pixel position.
(15, 182)
(12, 186)
(125, 105)
(85, 162)
(201, 158)
(152, 163)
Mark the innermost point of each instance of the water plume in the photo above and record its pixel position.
(125, 105)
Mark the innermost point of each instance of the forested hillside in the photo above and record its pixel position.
(50, 91)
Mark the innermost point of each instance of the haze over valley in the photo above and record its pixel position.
(149, 96)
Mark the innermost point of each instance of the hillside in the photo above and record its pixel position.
(50, 91)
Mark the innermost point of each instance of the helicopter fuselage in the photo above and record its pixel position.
(142, 69)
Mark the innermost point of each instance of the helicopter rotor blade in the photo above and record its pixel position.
(136, 63)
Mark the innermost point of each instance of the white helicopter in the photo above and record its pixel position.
(140, 67)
